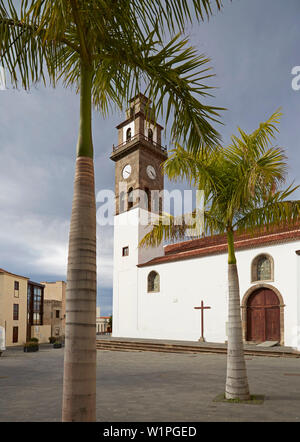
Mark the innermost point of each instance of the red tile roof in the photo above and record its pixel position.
(218, 244)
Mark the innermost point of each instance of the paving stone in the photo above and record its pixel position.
(151, 387)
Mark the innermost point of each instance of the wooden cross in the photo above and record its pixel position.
(202, 308)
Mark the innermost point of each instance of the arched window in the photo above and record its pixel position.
(262, 268)
(128, 134)
(130, 198)
(147, 199)
(153, 282)
(150, 135)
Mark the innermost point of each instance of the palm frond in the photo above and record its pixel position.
(50, 39)
(27, 51)
(173, 73)
(188, 226)
(165, 228)
(199, 168)
(255, 143)
(263, 214)
(173, 15)
(255, 167)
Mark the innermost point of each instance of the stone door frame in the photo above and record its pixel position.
(244, 308)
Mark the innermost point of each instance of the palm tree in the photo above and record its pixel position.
(242, 189)
(107, 49)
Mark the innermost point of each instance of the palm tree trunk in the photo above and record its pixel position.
(79, 389)
(236, 379)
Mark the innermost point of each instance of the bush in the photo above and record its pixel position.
(34, 340)
(52, 339)
(57, 344)
(31, 346)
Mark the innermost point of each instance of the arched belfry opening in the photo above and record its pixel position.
(150, 135)
(128, 134)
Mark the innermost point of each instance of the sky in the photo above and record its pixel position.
(253, 46)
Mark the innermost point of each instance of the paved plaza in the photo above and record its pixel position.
(148, 386)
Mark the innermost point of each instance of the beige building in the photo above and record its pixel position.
(13, 307)
(29, 309)
(55, 307)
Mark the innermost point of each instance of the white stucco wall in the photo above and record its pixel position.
(170, 313)
(128, 232)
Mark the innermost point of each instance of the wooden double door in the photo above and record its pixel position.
(263, 316)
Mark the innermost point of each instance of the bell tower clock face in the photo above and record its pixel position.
(126, 171)
(151, 172)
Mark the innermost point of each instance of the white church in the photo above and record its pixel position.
(156, 290)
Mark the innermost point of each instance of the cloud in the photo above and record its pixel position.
(253, 47)
(32, 244)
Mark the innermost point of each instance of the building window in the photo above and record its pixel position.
(57, 313)
(128, 134)
(37, 319)
(16, 312)
(125, 251)
(262, 268)
(16, 287)
(34, 305)
(37, 306)
(153, 282)
(15, 334)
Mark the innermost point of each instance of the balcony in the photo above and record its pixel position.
(139, 138)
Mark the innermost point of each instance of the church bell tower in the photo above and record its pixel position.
(139, 185)
(138, 157)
